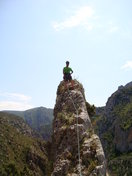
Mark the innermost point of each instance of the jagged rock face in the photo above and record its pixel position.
(118, 113)
(115, 131)
(69, 103)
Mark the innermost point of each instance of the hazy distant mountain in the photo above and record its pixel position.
(39, 119)
(21, 153)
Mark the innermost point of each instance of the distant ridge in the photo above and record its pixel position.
(39, 119)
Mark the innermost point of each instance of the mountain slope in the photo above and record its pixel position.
(39, 119)
(21, 153)
(115, 130)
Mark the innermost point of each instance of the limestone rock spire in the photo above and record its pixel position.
(70, 105)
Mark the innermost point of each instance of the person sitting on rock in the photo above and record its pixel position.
(67, 71)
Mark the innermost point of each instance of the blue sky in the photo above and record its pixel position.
(37, 37)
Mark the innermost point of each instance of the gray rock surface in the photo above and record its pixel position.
(69, 103)
(115, 130)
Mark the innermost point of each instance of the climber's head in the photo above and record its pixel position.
(67, 63)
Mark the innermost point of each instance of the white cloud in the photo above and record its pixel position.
(86, 17)
(16, 96)
(79, 18)
(11, 105)
(127, 65)
(14, 101)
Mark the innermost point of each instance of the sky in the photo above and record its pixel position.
(38, 37)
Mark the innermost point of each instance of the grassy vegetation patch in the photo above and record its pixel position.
(124, 113)
(121, 165)
(66, 118)
(20, 154)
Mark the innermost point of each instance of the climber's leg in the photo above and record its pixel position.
(70, 80)
(65, 80)
(65, 84)
(72, 83)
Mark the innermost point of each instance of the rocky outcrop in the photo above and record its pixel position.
(118, 118)
(71, 107)
(115, 130)
(100, 110)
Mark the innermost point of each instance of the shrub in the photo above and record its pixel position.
(90, 109)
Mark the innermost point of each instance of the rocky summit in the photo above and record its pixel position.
(71, 107)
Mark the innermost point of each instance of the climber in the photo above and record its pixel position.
(67, 71)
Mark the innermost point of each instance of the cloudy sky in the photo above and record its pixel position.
(37, 37)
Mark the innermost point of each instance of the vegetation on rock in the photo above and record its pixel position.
(91, 109)
(70, 105)
(114, 126)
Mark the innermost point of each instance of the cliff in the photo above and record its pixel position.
(71, 118)
(114, 127)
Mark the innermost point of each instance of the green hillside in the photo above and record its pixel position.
(114, 127)
(39, 119)
(21, 153)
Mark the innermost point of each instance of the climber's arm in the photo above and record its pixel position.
(71, 71)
